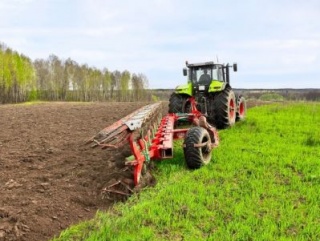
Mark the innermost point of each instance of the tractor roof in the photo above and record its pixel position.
(203, 64)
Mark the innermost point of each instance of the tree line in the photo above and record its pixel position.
(54, 79)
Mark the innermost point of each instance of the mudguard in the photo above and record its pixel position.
(184, 89)
(216, 86)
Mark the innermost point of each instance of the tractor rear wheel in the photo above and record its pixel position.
(176, 103)
(223, 106)
(196, 149)
(241, 108)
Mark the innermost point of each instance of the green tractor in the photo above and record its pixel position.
(209, 87)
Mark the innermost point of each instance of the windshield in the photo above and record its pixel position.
(203, 75)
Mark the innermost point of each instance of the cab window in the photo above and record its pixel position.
(220, 74)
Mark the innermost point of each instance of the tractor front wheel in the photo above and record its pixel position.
(177, 103)
(197, 151)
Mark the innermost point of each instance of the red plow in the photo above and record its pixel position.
(150, 137)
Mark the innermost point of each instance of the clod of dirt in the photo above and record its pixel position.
(12, 184)
(147, 180)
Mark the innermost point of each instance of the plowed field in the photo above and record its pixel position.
(49, 178)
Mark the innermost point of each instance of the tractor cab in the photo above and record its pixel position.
(205, 74)
(207, 77)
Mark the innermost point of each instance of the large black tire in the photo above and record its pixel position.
(197, 156)
(223, 109)
(177, 103)
(241, 108)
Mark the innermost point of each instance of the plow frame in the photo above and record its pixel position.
(158, 145)
(151, 138)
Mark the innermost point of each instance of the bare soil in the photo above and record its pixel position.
(49, 178)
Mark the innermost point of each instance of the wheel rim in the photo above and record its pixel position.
(204, 150)
(231, 110)
(241, 109)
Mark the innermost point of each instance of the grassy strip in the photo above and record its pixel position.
(263, 184)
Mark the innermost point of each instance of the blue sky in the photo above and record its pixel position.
(276, 43)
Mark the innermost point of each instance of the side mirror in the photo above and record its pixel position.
(235, 67)
(185, 72)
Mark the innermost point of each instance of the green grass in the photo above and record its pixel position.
(262, 184)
